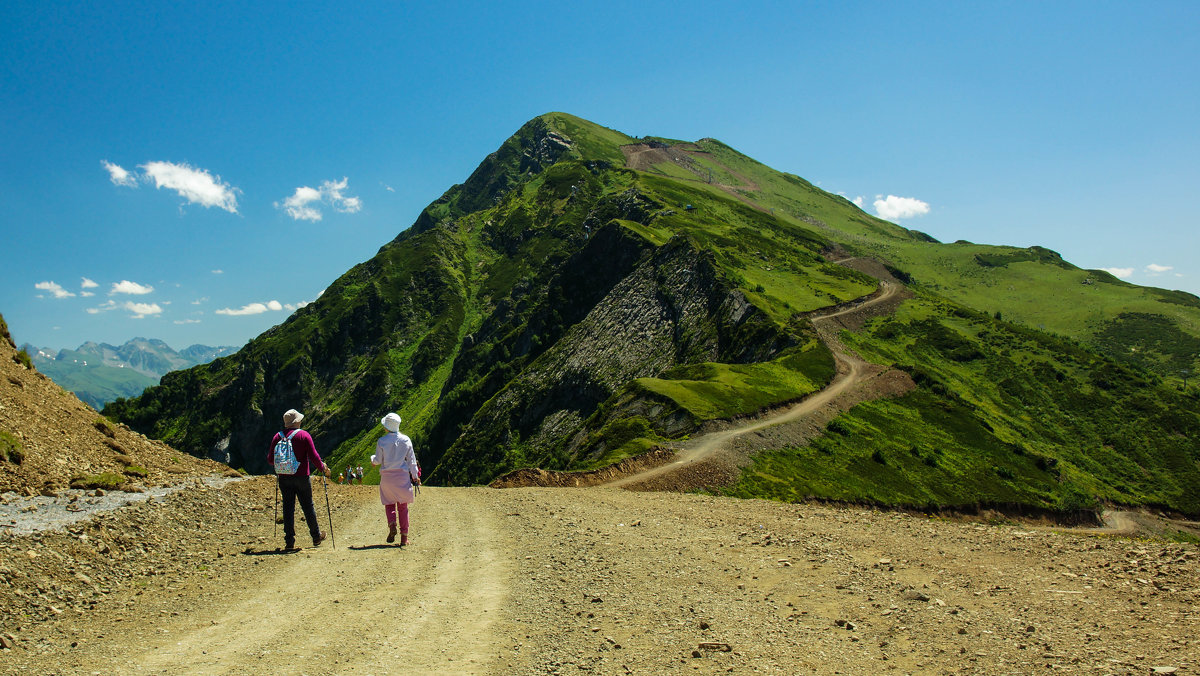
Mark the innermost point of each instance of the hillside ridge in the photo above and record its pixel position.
(584, 296)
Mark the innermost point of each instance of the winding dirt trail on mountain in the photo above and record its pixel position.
(852, 372)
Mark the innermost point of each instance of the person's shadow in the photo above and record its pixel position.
(391, 546)
(271, 552)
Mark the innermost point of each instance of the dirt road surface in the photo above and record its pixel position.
(606, 581)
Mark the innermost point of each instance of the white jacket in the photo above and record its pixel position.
(395, 451)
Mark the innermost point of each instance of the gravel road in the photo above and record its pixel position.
(606, 581)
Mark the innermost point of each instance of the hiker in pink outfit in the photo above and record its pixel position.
(398, 473)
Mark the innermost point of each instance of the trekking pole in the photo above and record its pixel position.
(276, 512)
(328, 512)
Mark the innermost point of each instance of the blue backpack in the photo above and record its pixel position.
(285, 457)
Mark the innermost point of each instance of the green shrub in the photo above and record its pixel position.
(10, 448)
(838, 426)
(106, 480)
(22, 358)
(134, 470)
(106, 429)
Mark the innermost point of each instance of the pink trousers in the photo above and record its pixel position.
(390, 510)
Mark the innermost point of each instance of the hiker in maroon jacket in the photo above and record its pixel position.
(296, 485)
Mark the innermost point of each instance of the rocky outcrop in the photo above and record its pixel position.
(673, 308)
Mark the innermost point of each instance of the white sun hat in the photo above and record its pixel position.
(392, 422)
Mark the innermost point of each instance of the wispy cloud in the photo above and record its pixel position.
(859, 201)
(197, 186)
(118, 175)
(252, 309)
(55, 289)
(132, 288)
(1121, 273)
(87, 284)
(1156, 269)
(893, 207)
(303, 204)
(187, 321)
(136, 310)
(218, 272)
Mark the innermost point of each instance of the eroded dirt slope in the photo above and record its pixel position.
(60, 437)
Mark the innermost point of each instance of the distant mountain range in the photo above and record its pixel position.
(99, 373)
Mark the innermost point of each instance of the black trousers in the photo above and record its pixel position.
(293, 487)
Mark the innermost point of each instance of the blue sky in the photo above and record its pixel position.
(194, 172)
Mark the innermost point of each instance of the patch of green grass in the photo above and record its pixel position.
(1182, 536)
(712, 391)
(922, 450)
(135, 470)
(591, 141)
(106, 480)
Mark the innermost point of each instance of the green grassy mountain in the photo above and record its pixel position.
(584, 295)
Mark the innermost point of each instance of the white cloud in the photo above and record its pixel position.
(858, 201)
(1156, 269)
(198, 301)
(251, 309)
(55, 289)
(197, 186)
(302, 205)
(218, 272)
(388, 187)
(88, 284)
(257, 309)
(332, 191)
(132, 288)
(140, 310)
(187, 321)
(1121, 273)
(118, 175)
(894, 207)
(297, 205)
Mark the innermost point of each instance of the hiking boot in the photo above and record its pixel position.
(403, 539)
(319, 539)
(391, 533)
(290, 546)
